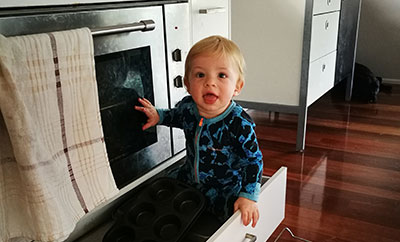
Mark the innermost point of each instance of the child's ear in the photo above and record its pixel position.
(186, 83)
(238, 88)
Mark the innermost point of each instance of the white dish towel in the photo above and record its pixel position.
(53, 161)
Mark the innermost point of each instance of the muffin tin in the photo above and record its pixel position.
(163, 210)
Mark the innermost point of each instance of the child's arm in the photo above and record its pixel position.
(251, 164)
(150, 112)
(248, 209)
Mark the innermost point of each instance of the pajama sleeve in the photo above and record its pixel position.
(251, 162)
(173, 117)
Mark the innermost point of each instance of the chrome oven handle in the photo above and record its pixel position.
(144, 25)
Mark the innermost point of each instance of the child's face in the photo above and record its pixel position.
(212, 82)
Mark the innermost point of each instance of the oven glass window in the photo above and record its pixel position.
(122, 78)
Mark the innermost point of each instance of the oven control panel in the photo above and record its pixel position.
(177, 46)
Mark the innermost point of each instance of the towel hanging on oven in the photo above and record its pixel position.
(53, 161)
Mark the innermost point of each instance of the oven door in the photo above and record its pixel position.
(130, 65)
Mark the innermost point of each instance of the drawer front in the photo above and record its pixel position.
(271, 205)
(209, 17)
(324, 35)
(323, 6)
(321, 77)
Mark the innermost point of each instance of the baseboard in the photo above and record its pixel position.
(390, 81)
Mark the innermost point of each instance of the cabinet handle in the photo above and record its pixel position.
(323, 67)
(326, 24)
(212, 10)
(328, 2)
(249, 238)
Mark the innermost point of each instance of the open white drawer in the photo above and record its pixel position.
(271, 205)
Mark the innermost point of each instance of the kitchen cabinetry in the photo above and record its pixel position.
(290, 50)
(209, 17)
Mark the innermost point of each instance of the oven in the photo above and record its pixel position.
(139, 52)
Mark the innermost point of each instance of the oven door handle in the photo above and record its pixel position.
(144, 25)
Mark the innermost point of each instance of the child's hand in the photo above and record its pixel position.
(249, 210)
(150, 112)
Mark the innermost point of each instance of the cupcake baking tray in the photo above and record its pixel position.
(162, 211)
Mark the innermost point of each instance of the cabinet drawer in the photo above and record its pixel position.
(271, 205)
(209, 17)
(324, 35)
(323, 6)
(321, 77)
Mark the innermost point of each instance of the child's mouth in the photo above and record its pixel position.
(210, 98)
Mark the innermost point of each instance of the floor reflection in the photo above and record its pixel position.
(345, 187)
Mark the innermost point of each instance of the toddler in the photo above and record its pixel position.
(223, 158)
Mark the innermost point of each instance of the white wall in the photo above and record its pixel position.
(379, 38)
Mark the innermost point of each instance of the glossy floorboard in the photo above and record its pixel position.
(345, 186)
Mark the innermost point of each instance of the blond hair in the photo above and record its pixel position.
(218, 46)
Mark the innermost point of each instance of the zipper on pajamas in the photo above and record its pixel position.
(197, 152)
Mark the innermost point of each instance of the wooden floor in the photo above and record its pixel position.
(346, 184)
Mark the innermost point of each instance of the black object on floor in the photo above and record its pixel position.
(366, 85)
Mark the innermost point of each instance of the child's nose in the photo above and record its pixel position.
(210, 81)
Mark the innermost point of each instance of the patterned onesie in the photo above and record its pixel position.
(223, 157)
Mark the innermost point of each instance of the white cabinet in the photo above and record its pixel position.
(290, 51)
(209, 17)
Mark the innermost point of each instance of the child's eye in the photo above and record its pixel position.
(222, 75)
(199, 75)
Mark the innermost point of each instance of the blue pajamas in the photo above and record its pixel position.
(223, 157)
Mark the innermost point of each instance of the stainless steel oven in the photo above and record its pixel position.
(139, 51)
